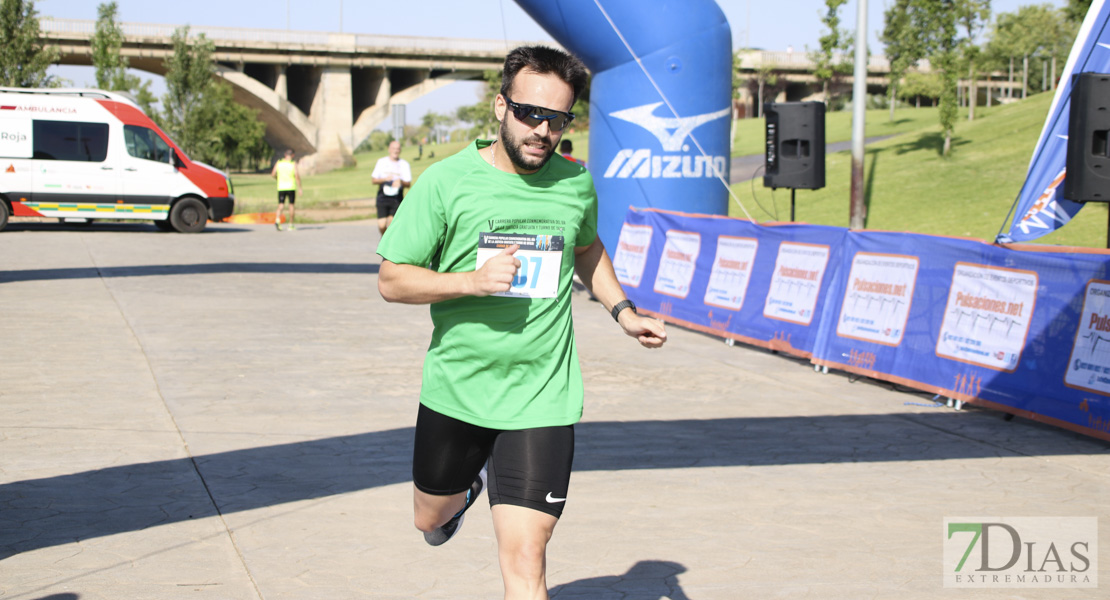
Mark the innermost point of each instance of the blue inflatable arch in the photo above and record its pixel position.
(660, 101)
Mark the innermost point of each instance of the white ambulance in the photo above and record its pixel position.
(79, 155)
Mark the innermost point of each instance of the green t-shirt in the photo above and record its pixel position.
(498, 362)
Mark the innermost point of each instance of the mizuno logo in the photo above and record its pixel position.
(670, 131)
(641, 163)
(553, 500)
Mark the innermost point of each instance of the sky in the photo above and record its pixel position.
(776, 25)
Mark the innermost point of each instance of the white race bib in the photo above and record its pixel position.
(541, 261)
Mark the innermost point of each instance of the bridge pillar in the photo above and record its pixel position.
(281, 83)
(332, 112)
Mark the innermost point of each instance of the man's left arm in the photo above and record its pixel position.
(596, 272)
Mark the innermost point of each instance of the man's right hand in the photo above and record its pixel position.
(496, 275)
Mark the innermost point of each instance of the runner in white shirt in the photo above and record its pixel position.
(392, 175)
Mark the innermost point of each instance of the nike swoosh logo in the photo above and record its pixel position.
(553, 500)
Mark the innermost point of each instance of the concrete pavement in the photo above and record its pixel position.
(229, 416)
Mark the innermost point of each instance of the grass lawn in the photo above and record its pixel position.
(909, 186)
(255, 192)
(749, 136)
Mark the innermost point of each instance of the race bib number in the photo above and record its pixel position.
(541, 261)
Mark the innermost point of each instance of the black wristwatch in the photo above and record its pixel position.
(619, 306)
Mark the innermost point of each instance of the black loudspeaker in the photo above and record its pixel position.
(795, 145)
(1088, 164)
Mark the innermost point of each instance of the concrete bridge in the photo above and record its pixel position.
(796, 68)
(318, 93)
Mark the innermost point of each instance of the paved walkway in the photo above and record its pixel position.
(228, 416)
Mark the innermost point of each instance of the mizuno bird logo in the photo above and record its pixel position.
(670, 131)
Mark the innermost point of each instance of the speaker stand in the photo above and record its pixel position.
(792, 190)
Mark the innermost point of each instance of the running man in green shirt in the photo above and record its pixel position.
(288, 181)
(491, 238)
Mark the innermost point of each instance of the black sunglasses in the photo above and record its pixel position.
(532, 115)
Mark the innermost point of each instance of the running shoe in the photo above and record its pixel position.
(278, 225)
(447, 530)
(292, 227)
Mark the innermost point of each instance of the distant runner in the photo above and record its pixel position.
(392, 175)
(288, 181)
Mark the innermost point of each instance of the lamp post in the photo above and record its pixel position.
(858, 210)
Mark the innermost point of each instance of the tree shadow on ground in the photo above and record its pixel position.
(927, 141)
(60, 510)
(646, 580)
(138, 226)
(869, 186)
(195, 269)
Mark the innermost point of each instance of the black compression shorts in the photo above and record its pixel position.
(387, 206)
(527, 467)
(290, 195)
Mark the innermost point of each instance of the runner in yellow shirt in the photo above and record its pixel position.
(288, 181)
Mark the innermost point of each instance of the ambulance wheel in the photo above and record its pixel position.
(189, 215)
(164, 225)
(3, 214)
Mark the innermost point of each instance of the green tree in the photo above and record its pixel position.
(1034, 31)
(943, 46)
(767, 84)
(1076, 10)
(483, 123)
(235, 134)
(920, 85)
(430, 120)
(438, 125)
(932, 27)
(109, 62)
(24, 58)
(199, 111)
(830, 63)
(903, 47)
(973, 16)
(186, 111)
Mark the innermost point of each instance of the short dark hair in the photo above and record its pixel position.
(566, 146)
(545, 61)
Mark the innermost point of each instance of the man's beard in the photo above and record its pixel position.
(512, 148)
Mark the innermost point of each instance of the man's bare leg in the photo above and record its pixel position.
(384, 223)
(431, 512)
(522, 537)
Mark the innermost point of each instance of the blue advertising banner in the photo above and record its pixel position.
(759, 284)
(1015, 328)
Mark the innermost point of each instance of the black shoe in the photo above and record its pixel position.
(447, 530)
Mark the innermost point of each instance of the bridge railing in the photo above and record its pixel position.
(236, 36)
(801, 61)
